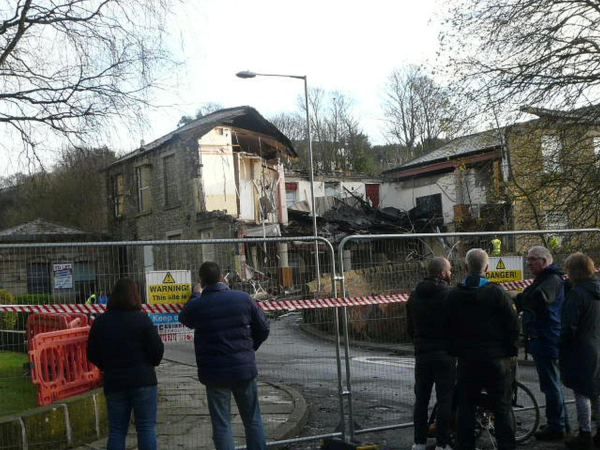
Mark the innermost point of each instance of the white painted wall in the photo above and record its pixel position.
(453, 188)
(322, 188)
(403, 194)
(219, 182)
(218, 173)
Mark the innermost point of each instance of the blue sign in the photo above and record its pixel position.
(163, 318)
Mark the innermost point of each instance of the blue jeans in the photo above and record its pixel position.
(219, 406)
(144, 403)
(550, 385)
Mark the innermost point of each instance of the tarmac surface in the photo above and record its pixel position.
(184, 422)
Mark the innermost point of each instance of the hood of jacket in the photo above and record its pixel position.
(430, 286)
(551, 270)
(474, 281)
(591, 286)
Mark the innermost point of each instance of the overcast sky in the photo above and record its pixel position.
(339, 45)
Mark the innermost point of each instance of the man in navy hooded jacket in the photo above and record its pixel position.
(542, 304)
(229, 327)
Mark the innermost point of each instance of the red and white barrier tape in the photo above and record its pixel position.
(270, 305)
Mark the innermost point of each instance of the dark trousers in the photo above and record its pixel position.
(496, 378)
(440, 369)
(550, 385)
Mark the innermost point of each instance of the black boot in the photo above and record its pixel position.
(583, 441)
(597, 438)
(549, 434)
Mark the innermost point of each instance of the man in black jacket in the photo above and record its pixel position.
(228, 328)
(483, 334)
(427, 316)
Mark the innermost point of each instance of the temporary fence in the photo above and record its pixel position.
(395, 263)
(348, 354)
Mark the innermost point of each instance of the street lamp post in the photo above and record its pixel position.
(249, 74)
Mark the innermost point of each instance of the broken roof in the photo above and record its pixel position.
(243, 117)
(457, 148)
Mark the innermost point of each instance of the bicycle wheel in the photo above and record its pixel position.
(526, 413)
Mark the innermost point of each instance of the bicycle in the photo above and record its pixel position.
(525, 416)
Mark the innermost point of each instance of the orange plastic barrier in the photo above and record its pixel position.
(60, 365)
(45, 322)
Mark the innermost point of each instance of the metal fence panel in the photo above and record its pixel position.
(57, 276)
(380, 371)
(364, 386)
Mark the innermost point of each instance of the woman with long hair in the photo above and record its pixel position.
(125, 345)
(580, 346)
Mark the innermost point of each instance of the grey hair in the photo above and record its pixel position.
(541, 252)
(437, 265)
(476, 260)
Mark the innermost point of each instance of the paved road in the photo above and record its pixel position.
(183, 420)
(382, 381)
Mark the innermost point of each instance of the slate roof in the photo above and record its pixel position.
(459, 147)
(42, 230)
(586, 115)
(244, 117)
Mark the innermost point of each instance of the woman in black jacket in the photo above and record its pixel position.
(126, 347)
(580, 345)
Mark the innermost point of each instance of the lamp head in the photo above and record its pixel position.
(245, 74)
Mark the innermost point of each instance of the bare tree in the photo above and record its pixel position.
(515, 53)
(69, 68)
(337, 138)
(293, 125)
(205, 109)
(68, 193)
(419, 113)
(525, 52)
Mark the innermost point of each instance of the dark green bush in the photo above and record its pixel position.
(34, 299)
(8, 320)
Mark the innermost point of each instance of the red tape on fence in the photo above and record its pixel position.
(267, 305)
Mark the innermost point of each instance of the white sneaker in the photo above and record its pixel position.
(419, 447)
(447, 447)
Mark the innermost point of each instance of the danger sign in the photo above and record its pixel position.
(505, 268)
(172, 286)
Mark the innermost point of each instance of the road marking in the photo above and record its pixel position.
(386, 361)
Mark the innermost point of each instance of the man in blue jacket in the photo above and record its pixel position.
(229, 327)
(542, 305)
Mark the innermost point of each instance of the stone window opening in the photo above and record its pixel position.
(118, 195)
(171, 186)
(143, 177)
(552, 150)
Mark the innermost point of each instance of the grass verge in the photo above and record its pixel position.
(17, 392)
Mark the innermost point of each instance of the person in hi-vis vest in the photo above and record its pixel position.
(496, 247)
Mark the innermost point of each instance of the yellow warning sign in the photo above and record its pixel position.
(169, 293)
(508, 268)
(168, 286)
(500, 276)
(169, 278)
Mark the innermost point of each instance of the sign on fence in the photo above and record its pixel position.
(63, 276)
(166, 287)
(505, 268)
